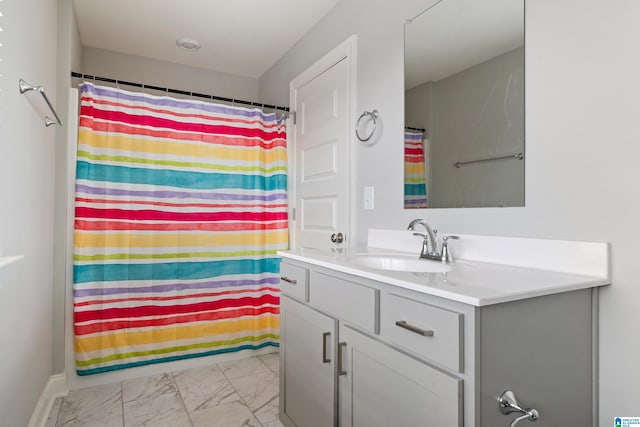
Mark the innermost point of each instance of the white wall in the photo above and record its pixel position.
(69, 58)
(582, 134)
(115, 65)
(26, 207)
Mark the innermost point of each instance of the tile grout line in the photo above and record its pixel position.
(59, 410)
(277, 373)
(238, 393)
(122, 401)
(272, 399)
(184, 405)
(55, 422)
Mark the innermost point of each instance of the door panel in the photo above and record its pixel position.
(319, 214)
(320, 161)
(318, 109)
(322, 157)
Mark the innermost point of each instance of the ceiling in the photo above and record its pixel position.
(241, 37)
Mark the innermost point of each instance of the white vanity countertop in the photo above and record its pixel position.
(470, 282)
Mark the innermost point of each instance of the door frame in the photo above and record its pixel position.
(345, 51)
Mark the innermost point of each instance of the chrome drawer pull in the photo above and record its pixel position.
(286, 279)
(341, 371)
(414, 329)
(325, 358)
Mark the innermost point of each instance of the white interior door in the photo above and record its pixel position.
(321, 180)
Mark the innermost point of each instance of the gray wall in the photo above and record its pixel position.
(417, 105)
(27, 151)
(474, 114)
(582, 145)
(115, 65)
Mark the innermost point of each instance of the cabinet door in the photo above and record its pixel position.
(307, 361)
(380, 386)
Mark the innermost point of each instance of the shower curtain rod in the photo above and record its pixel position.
(180, 92)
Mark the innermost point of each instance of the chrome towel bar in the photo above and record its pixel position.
(519, 156)
(26, 87)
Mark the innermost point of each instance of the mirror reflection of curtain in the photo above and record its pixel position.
(415, 185)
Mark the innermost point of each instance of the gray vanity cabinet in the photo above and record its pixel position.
(361, 353)
(333, 370)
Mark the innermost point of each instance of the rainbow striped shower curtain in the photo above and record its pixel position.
(415, 184)
(180, 208)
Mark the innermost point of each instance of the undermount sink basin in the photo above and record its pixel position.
(397, 262)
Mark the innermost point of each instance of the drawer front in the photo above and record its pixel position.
(349, 301)
(293, 281)
(432, 332)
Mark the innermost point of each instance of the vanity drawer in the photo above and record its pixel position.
(430, 331)
(293, 281)
(355, 303)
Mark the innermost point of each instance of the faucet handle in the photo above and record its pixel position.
(423, 235)
(445, 253)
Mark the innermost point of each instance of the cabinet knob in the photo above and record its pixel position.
(337, 238)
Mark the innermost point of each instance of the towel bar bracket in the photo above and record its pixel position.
(26, 87)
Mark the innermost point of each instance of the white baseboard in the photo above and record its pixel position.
(56, 386)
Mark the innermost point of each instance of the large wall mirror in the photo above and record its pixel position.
(464, 105)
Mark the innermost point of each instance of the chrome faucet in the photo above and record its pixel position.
(430, 248)
(418, 221)
(507, 403)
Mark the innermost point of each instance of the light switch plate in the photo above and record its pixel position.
(368, 198)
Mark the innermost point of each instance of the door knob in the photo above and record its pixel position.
(337, 238)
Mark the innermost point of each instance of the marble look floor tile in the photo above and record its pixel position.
(234, 414)
(273, 424)
(99, 406)
(269, 412)
(163, 410)
(272, 361)
(243, 367)
(53, 413)
(203, 388)
(258, 390)
(152, 386)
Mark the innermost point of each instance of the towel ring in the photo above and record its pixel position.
(374, 116)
